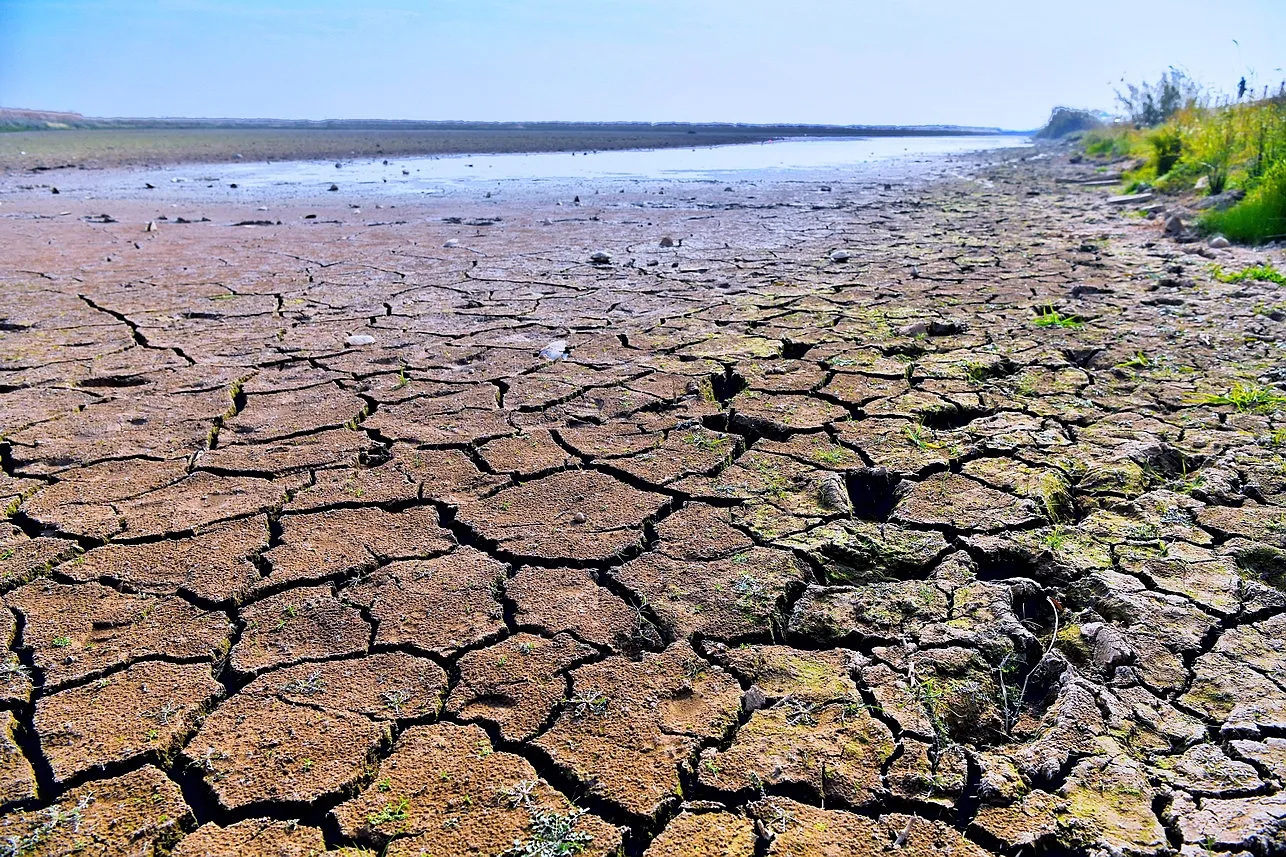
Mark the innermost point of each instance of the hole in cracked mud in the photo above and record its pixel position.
(874, 492)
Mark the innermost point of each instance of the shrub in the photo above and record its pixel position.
(1260, 217)
(1150, 104)
(1167, 146)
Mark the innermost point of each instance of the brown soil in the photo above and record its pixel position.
(327, 535)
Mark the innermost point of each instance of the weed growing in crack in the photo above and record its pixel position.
(1248, 398)
(1138, 361)
(12, 846)
(1047, 316)
(13, 670)
(552, 835)
(919, 436)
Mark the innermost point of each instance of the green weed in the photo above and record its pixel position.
(1047, 316)
(1249, 398)
(1264, 273)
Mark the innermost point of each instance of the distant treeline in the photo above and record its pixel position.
(34, 120)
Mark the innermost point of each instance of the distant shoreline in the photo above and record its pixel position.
(116, 143)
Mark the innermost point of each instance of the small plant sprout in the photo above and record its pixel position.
(1047, 316)
(164, 713)
(308, 686)
(392, 811)
(520, 795)
(1265, 273)
(586, 703)
(395, 699)
(402, 379)
(61, 642)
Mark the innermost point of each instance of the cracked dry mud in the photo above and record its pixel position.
(325, 536)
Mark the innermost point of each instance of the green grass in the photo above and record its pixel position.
(1264, 273)
(1249, 398)
(1047, 316)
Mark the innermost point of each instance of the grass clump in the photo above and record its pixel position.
(1047, 316)
(1264, 273)
(1249, 398)
(1260, 217)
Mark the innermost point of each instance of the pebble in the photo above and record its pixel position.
(451, 242)
(667, 241)
(578, 518)
(1173, 225)
(333, 187)
(151, 226)
(1219, 242)
(600, 258)
(753, 699)
(555, 350)
(839, 256)
(360, 339)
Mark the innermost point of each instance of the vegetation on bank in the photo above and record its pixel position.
(1186, 141)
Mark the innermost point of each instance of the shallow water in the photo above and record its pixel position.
(828, 158)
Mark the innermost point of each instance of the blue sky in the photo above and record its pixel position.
(1004, 62)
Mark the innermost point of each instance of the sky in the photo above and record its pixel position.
(1002, 63)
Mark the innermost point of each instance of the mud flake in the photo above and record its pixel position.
(437, 605)
(383, 686)
(536, 519)
(295, 753)
(554, 600)
(17, 779)
(777, 414)
(306, 623)
(515, 684)
(215, 565)
(145, 711)
(724, 599)
(254, 836)
(78, 631)
(949, 500)
(139, 813)
(800, 830)
(526, 455)
(629, 724)
(196, 501)
(707, 834)
(331, 544)
(445, 791)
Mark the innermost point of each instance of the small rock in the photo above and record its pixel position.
(578, 518)
(333, 187)
(54, 190)
(600, 258)
(667, 241)
(839, 256)
(237, 156)
(1219, 242)
(1173, 225)
(555, 350)
(360, 339)
(151, 226)
(753, 699)
(451, 242)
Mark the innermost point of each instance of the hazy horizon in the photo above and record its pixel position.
(928, 62)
